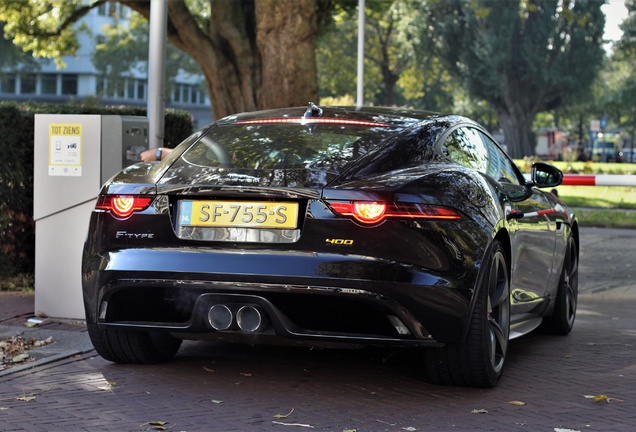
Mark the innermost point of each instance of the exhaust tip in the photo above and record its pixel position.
(220, 317)
(250, 319)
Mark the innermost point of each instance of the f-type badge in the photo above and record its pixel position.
(126, 234)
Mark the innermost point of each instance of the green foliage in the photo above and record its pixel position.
(38, 26)
(17, 237)
(608, 218)
(11, 55)
(125, 48)
(523, 57)
(399, 66)
(17, 240)
(620, 82)
(609, 197)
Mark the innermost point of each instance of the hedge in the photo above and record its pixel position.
(17, 229)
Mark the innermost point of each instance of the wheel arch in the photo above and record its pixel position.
(503, 237)
(575, 234)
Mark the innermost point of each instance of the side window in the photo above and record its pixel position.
(466, 147)
(500, 167)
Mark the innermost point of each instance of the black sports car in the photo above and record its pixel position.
(329, 226)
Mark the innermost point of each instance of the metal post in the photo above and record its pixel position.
(360, 89)
(157, 72)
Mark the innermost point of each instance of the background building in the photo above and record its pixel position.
(80, 81)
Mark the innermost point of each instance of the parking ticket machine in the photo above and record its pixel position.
(74, 155)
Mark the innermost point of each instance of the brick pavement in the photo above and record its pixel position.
(217, 387)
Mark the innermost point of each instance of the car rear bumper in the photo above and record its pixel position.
(309, 297)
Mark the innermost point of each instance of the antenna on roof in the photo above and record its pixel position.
(313, 111)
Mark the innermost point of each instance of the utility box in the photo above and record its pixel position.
(74, 156)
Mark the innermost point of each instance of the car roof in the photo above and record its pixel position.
(393, 116)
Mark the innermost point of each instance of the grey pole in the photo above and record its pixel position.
(360, 89)
(157, 72)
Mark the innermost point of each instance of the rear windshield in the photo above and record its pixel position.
(284, 146)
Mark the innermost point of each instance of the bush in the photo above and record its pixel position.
(17, 229)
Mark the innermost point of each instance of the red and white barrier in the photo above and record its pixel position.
(598, 180)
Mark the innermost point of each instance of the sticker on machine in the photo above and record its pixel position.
(65, 150)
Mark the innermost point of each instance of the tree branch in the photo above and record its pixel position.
(71, 19)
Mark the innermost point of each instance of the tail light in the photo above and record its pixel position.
(373, 212)
(123, 206)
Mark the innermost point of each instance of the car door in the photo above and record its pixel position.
(533, 236)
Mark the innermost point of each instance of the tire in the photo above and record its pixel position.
(564, 313)
(133, 347)
(479, 360)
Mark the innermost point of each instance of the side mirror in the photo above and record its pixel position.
(545, 175)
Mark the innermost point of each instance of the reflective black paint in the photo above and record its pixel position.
(422, 271)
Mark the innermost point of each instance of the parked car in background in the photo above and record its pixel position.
(333, 226)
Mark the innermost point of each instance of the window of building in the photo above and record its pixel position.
(69, 84)
(141, 90)
(7, 83)
(112, 9)
(130, 89)
(176, 94)
(99, 87)
(116, 88)
(28, 84)
(48, 84)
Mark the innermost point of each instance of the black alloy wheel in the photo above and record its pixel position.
(562, 319)
(479, 360)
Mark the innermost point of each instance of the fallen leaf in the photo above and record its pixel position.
(157, 425)
(3, 408)
(350, 430)
(479, 411)
(565, 430)
(217, 401)
(282, 416)
(601, 398)
(410, 429)
(13, 350)
(25, 398)
(246, 374)
(293, 424)
(207, 369)
(41, 343)
(517, 403)
(19, 358)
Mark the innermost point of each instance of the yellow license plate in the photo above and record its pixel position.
(259, 214)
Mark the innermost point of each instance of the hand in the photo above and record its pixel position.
(150, 155)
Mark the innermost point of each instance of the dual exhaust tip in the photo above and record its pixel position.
(248, 318)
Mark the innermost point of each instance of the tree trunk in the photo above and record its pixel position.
(286, 32)
(517, 127)
(253, 54)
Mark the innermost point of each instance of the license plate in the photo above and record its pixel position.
(259, 214)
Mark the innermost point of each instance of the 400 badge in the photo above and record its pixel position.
(339, 242)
